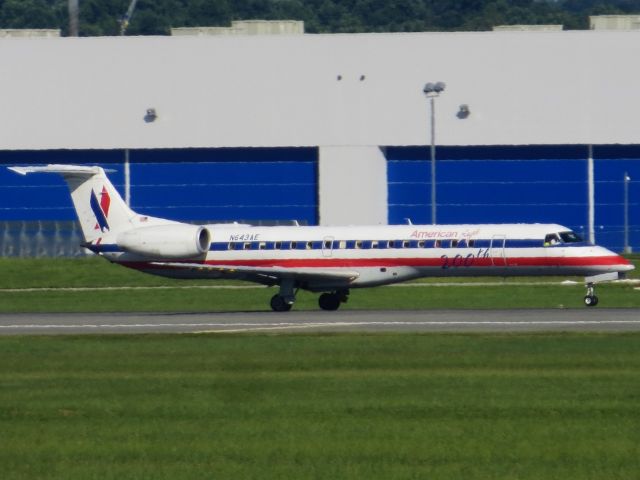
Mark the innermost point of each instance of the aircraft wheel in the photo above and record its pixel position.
(329, 301)
(278, 304)
(590, 300)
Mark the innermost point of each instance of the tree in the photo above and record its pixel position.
(28, 14)
(156, 17)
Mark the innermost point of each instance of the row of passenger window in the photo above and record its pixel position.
(349, 244)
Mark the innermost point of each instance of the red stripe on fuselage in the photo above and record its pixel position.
(426, 262)
(461, 261)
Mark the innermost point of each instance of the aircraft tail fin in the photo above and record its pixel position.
(99, 206)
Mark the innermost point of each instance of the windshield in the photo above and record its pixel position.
(570, 237)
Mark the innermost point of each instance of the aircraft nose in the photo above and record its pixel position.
(628, 267)
(613, 261)
(621, 263)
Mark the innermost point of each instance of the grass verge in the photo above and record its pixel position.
(320, 406)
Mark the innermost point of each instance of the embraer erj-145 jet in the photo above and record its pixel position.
(330, 260)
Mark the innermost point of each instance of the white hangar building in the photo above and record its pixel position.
(332, 129)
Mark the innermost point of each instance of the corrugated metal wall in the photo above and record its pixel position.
(277, 185)
(517, 184)
(268, 185)
(254, 185)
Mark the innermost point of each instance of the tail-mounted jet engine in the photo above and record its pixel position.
(166, 241)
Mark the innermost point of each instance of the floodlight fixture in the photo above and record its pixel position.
(434, 89)
(151, 115)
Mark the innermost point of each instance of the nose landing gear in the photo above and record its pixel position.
(590, 299)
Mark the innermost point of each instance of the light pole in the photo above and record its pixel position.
(627, 179)
(433, 90)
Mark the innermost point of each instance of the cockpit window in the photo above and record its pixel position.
(562, 237)
(570, 237)
(551, 239)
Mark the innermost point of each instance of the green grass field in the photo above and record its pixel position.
(563, 406)
(392, 406)
(18, 275)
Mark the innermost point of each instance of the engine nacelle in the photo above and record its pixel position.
(166, 241)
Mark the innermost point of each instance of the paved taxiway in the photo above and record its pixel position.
(596, 319)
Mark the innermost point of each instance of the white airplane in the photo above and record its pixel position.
(331, 260)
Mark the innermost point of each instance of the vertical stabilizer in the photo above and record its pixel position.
(99, 206)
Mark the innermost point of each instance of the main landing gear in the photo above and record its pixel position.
(331, 301)
(280, 303)
(284, 300)
(590, 299)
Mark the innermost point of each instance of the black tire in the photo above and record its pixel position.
(329, 301)
(278, 304)
(590, 300)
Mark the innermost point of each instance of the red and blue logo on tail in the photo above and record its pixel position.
(101, 209)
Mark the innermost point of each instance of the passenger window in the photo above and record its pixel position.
(454, 243)
(374, 244)
(421, 244)
(247, 246)
(278, 245)
(343, 244)
(406, 244)
(438, 243)
(294, 245)
(358, 243)
(327, 244)
(309, 245)
(471, 242)
(262, 245)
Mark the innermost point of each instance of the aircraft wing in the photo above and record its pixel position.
(266, 275)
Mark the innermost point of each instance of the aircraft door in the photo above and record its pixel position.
(327, 246)
(496, 251)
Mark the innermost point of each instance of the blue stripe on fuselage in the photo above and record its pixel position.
(104, 248)
(383, 244)
(351, 245)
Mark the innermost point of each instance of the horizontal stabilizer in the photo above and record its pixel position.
(61, 169)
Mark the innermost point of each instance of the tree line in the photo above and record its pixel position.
(157, 17)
